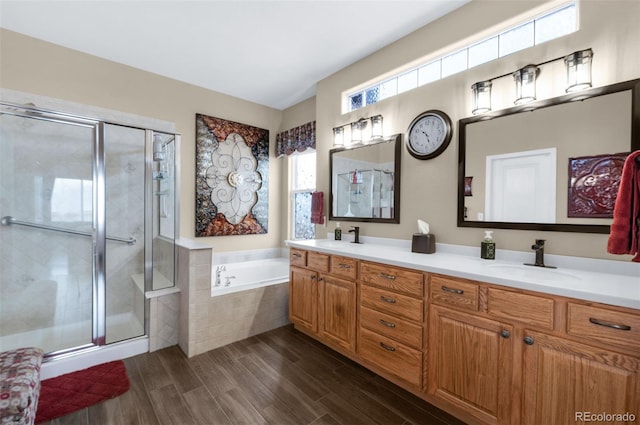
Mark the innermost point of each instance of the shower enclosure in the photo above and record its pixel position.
(89, 215)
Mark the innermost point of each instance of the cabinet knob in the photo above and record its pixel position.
(312, 276)
(505, 333)
(528, 340)
(321, 279)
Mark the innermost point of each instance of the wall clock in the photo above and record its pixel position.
(429, 134)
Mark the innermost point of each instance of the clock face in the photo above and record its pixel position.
(429, 134)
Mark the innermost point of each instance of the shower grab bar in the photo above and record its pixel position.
(8, 220)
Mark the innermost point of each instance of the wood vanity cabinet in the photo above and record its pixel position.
(562, 378)
(471, 357)
(515, 357)
(322, 297)
(337, 311)
(391, 316)
(489, 354)
(303, 298)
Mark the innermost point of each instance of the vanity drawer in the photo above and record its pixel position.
(391, 356)
(530, 309)
(409, 282)
(391, 303)
(607, 326)
(392, 327)
(297, 257)
(317, 261)
(451, 291)
(344, 266)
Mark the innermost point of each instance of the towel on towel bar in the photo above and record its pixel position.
(317, 208)
(624, 237)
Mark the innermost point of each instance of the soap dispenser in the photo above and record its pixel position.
(338, 232)
(488, 246)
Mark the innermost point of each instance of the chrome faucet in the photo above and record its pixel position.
(539, 248)
(356, 232)
(219, 269)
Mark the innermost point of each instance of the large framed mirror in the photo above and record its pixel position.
(550, 165)
(365, 181)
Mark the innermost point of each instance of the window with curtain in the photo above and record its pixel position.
(299, 145)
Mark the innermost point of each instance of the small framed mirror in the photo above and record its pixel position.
(550, 165)
(365, 181)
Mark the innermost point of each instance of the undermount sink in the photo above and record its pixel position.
(516, 271)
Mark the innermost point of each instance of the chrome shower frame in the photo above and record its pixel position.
(99, 235)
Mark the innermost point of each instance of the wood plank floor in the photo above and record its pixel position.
(281, 377)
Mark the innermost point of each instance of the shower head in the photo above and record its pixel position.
(158, 148)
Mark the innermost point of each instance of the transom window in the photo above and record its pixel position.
(551, 25)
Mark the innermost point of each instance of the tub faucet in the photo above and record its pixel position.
(539, 248)
(219, 269)
(356, 234)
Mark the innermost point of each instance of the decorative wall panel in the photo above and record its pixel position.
(232, 172)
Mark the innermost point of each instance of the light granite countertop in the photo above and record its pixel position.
(604, 281)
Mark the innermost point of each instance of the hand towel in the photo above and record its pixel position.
(624, 237)
(317, 208)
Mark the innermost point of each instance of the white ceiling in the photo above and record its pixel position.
(271, 52)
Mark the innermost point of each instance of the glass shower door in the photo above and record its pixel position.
(125, 216)
(46, 241)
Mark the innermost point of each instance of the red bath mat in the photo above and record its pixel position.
(68, 393)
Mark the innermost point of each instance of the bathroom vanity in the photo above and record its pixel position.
(492, 342)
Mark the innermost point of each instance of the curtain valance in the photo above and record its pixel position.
(297, 139)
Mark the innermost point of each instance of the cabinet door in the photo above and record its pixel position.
(470, 363)
(566, 380)
(337, 321)
(303, 298)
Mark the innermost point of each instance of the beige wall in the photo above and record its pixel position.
(41, 68)
(429, 187)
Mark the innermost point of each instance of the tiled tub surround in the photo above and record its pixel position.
(208, 322)
(605, 281)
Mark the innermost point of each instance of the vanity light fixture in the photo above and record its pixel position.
(578, 66)
(376, 127)
(356, 132)
(365, 131)
(338, 136)
(525, 79)
(481, 97)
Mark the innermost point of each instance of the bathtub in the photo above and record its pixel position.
(246, 275)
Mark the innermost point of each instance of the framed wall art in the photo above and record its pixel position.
(232, 178)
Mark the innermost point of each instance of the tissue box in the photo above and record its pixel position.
(424, 244)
